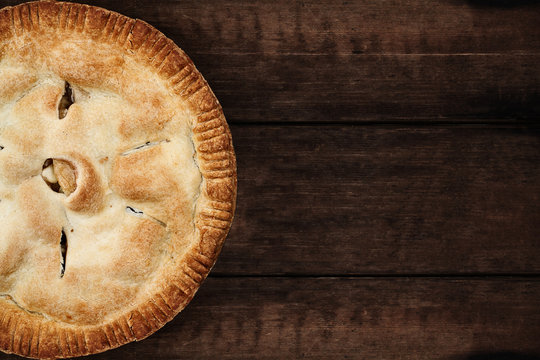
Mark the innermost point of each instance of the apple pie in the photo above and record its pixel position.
(117, 179)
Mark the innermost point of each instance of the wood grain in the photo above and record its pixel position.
(375, 88)
(283, 318)
(385, 200)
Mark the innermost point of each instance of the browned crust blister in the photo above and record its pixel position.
(35, 335)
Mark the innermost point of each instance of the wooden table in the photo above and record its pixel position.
(389, 179)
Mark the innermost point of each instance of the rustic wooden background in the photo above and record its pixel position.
(389, 187)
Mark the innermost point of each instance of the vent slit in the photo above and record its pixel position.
(134, 211)
(146, 145)
(63, 252)
(66, 101)
(139, 213)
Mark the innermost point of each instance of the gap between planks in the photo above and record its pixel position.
(428, 122)
(449, 276)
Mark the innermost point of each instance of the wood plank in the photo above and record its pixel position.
(383, 88)
(284, 318)
(341, 27)
(385, 200)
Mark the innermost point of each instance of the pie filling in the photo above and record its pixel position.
(63, 252)
(66, 101)
(60, 176)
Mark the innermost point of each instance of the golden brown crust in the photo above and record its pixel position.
(26, 332)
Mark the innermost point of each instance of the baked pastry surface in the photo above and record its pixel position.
(117, 179)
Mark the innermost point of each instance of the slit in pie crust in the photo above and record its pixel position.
(117, 179)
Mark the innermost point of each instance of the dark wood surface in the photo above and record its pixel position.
(389, 188)
(357, 200)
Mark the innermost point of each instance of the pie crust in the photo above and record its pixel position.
(117, 179)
